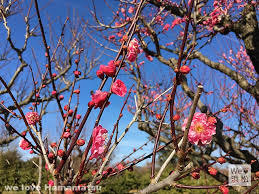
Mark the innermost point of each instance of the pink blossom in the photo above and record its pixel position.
(149, 57)
(224, 189)
(51, 183)
(123, 10)
(201, 130)
(176, 22)
(78, 116)
(166, 27)
(185, 69)
(133, 50)
(100, 74)
(25, 145)
(111, 37)
(46, 167)
(99, 98)
(212, 171)
(66, 134)
(109, 70)
(99, 135)
(32, 118)
(131, 10)
(120, 166)
(119, 88)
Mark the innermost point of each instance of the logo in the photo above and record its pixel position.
(239, 175)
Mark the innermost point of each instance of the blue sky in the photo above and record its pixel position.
(55, 12)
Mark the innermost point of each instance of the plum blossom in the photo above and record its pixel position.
(201, 130)
(120, 166)
(224, 189)
(212, 171)
(166, 27)
(112, 37)
(221, 160)
(98, 98)
(99, 135)
(66, 134)
(131, 10)
(177, 21)
(109, 69)
(185, 69)
(46, 167)
(149, 57)
(100, 74)
(119, 88)
(32, 118)
(51, 183)
(25, 145)
(133, 50)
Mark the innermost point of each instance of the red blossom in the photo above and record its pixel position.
(212, 171)
(224, 189)
(61, 97)
(46, 167)
(108, 70)
(80, 142)
(119, 88)
(221, 160)
(70, 112)
(66, 134)
(98, 99)
(185, 69)
(32, 118)
(53, 145)
(78, 116)
(166, 27)
(77, 73)
(176, 117)
(77, 91)
(149, 57)
(61, 153)
(66, 107)
(100, 74)
(176, 22)
(120, 166)
(51, 183)
(112, 37)
(99, 135)
(24, 133)
(50, 155)
(94, 172)
(195, 175)
(131, 10)
(54, 93)
(25, 145)
(158, 116)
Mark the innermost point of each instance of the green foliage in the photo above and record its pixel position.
(16, 172)
(124, 182)
(129, 182)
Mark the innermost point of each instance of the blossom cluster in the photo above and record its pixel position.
(25, 145)
(133, 50)
(98, 145)
(32, 118)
